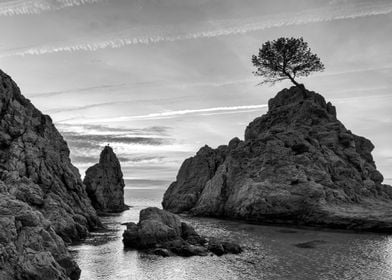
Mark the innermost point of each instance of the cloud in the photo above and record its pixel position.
(86, 141)
(86, 129)
(81, 108)
(100, 139)
(78, 90)
(144, 84)
(212, 28)
(124, 160)
(31, 7)
(169, 114)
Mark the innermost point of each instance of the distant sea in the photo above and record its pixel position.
(270, 252)
(136, 184)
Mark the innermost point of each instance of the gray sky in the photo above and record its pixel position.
(157, 79)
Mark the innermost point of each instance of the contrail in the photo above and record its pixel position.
(169, 114)
(210, 29)
(31, 7)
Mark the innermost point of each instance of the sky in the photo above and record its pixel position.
(158, 79)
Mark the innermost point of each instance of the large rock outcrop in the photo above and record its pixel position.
(104, 183)
(163, 233)
(42, 195)
(297, 165)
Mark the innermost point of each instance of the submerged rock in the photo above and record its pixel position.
(297, 165)
(162, 233)
(104, 183)
(42, 199)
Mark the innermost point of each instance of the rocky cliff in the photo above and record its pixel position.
(42, 195)
(104, 183)
(297, 165)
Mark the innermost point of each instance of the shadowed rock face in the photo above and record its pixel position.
(104, 183)
(42, 195)
(162, 233)
(297, 165)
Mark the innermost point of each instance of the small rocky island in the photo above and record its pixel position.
(43, 202)
(105, 185)
(162, 233)
(298, 165)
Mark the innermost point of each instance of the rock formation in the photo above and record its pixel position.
(104, 183)
(163, 233)
(297, 165)
(42, 195)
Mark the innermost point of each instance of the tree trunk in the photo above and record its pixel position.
(292, 79)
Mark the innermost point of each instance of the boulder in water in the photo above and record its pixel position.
(163, 233)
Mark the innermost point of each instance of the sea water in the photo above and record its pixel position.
(269, 252)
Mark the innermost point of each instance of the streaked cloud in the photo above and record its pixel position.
(133, 146)
(88, 139)
(211, 28)
(74, 90)
(99, 139)
(138, 159)
(110, 130)
(31, 7)
(91, 137)
(169, 114)
(127, 86)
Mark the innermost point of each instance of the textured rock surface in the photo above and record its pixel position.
(164, 234)
(297, 165)
(42, 195)
(104, 183)
(29, 246)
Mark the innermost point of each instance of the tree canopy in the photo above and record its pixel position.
(285, 58)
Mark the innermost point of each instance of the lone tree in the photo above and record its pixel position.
(285, 58)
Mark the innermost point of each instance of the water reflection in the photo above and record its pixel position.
(270, 252)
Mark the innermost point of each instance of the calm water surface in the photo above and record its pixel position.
(270, 252)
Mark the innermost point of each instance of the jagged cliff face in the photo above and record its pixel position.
(104, 183)
(42, 195)
(298, 164)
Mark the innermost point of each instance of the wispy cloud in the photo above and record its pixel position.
(130, 160)
(31, 7)
(109, 130)
(130, 144)
(135, 147)
(212, 28)
(164, 115)
(100, 139)
(143, 84)
(74, 90)
(92, 137)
